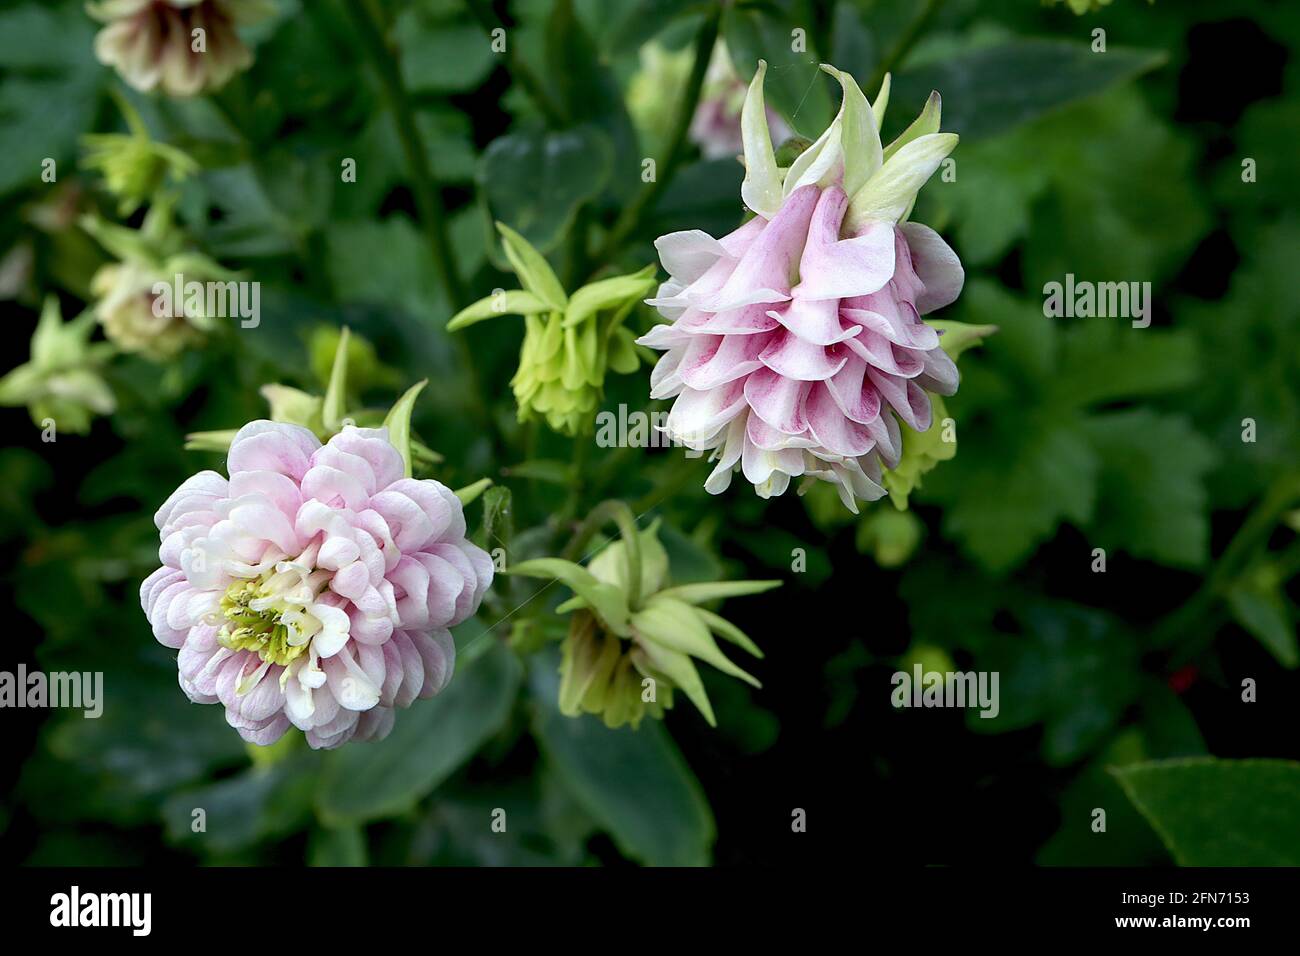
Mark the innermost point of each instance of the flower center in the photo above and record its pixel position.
(272, 615)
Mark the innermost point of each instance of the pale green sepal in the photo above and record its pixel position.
(926, 123)
(679, 669)
(470, 493)
(761, 189)
(334, 408)
(713, 590)
(532, 268)
(882, 102)
(512, 302)
(398, 423)
(889, 194)
(957, 337)
(210, 441)
(720, 626)
(675, 625)
(605, 599)
(607, 293)
(859, 132)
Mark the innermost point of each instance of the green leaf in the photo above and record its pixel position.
(497, 517)
(1001, 501)
(606, 599)
(255, 805)
(991, 89)
(441, 56)
(429, 742)
(1164, 729)
(1263, 611)
(634, 783)
(1151, 499)
(398, 419)
(536, 180)
(1212, 812)
(1073, 669)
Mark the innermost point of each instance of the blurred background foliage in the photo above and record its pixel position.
(1120, 689)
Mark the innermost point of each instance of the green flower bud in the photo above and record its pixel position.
(890, 536)
(133, 165)
(569, 341)
(633, 641)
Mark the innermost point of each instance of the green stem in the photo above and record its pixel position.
(424, 185)
(898, 53)
(480, 10)
(1252, 535)
(631, 215)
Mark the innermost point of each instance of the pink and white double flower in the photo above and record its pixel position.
(796, 343)
(315, 586)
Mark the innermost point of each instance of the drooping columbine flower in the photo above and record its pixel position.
(315, 586)
(135, 318)
(632, 640)
(182, 47)
(796, 343)
(570, 341)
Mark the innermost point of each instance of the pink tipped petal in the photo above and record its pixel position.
(835, 268)
(832, 430)
(792, 357)
(713, 360)
(936, 265)
(697, 416)
(777, 400)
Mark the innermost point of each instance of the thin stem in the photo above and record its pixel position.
(898, 53)
(424, 185)
(519, 68)
(631, 215)
(1252, 534)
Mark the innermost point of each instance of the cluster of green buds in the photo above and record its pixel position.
(633, 640)
(61, 382)
(569, 340)
(135, 166)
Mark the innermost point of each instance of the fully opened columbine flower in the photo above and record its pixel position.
(315, 586)
(796, 343)
(156, 44)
